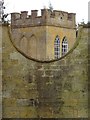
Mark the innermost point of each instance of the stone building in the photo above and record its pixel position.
(44, 37)
(32, 89)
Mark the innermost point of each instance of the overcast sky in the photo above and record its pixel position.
(80, 7)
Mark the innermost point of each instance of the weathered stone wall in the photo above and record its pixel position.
(51, 33)
(0, 71)
(30, 31)
(38, 42)
(47, 90)
(48, 17)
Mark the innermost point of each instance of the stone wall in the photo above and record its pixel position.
(35, 35)
(48, 17)
(45, 90)
(0, 71)
(38, 42)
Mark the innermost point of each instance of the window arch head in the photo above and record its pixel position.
(64, 46)
(57, 47)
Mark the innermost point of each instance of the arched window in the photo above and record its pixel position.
(23, 44)
(64, 46)
(57, 47)
(32, 46)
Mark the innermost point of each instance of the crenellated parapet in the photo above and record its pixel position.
(48, 17)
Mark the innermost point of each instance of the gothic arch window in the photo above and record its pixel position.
(64, 46)
(32, 46)
(57, 47)
(23, 44)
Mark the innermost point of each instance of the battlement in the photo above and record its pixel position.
(48, 17)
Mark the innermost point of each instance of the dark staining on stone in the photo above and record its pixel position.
(68, 86)
(30, 79)
(33, 102)
(83, 91)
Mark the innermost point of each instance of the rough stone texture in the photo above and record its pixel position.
(35, 35)
(48, 17)
(38, 42)
(0, 71)
(48, 90)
